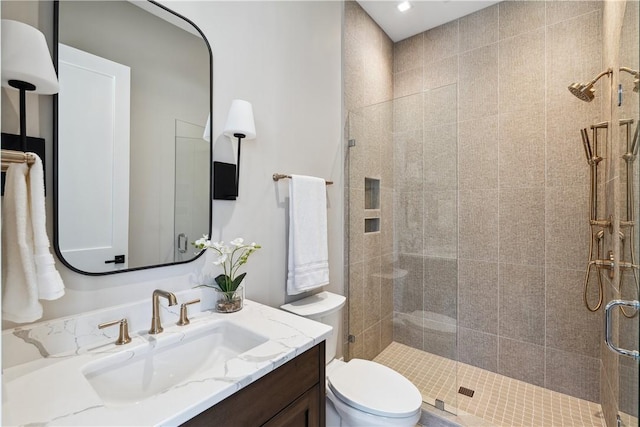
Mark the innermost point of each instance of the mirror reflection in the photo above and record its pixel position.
(132, 166)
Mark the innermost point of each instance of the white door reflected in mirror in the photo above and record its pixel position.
(94, 117)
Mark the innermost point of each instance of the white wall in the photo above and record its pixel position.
(283, 57)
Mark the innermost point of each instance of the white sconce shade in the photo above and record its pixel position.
(207, 130)
(240, 120)
(26, 58)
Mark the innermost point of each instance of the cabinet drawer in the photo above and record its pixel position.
(304, 412)
(260, 401)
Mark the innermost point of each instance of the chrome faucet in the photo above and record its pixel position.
(156, 326)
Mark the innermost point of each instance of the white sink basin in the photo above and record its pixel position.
(125, 379)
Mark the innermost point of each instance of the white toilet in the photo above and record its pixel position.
(359, 392)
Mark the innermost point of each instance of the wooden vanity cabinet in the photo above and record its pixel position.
(293, 395)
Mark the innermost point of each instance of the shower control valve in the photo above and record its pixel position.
(608, 264)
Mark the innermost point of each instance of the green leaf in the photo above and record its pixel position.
(223, 282)
(236, 282)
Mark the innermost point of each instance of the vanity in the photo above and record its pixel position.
(259, 366)
(292, 395)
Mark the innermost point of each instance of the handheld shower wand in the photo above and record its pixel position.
(587, 144)
(634, 144)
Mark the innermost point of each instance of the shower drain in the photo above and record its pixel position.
(466, 391)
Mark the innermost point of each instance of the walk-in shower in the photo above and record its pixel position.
(492, 234)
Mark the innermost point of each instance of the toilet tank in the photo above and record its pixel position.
(324, 307)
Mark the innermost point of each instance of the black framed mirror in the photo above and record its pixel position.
(131, 164)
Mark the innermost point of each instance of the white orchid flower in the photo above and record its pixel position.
(200, 242)
(221, 259)
(229, 257)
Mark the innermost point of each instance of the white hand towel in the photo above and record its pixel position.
(50, 285)
(19, 282)
(308, 246)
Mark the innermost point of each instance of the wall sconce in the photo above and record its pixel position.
(26, 66)
(239, 125)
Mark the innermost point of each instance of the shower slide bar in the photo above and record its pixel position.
(593, 159)
(597, 237)
(629, 158)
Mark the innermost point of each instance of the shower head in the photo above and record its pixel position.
(585, 91)
(582, 91)
(634, 73)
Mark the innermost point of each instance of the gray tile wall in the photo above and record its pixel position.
(369, 89)
(509, 229)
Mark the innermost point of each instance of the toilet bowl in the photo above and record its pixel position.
(360, 393)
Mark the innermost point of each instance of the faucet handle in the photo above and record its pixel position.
(184, 320)
(123, 336)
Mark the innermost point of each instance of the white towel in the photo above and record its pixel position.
(50, 284)
(19, 282)
(308, 246)
(28, 268)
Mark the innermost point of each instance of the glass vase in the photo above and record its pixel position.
(229, 302)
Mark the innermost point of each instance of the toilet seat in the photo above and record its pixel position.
(375, 389)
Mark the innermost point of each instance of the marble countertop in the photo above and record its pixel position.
(51, 389)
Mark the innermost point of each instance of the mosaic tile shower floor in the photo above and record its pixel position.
(499, 400)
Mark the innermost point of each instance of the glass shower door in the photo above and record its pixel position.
(402, 228)
(625, 327)
(191, 211)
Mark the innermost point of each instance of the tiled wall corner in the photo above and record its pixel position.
(369, 86)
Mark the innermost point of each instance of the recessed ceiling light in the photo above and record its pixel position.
(404, 6)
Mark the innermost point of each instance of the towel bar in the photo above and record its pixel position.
(279, 176)
(12, 156)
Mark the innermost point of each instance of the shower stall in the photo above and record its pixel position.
(474, 265)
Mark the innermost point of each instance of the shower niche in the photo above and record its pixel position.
(372, 205)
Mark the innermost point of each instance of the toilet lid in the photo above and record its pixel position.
(375, 389)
